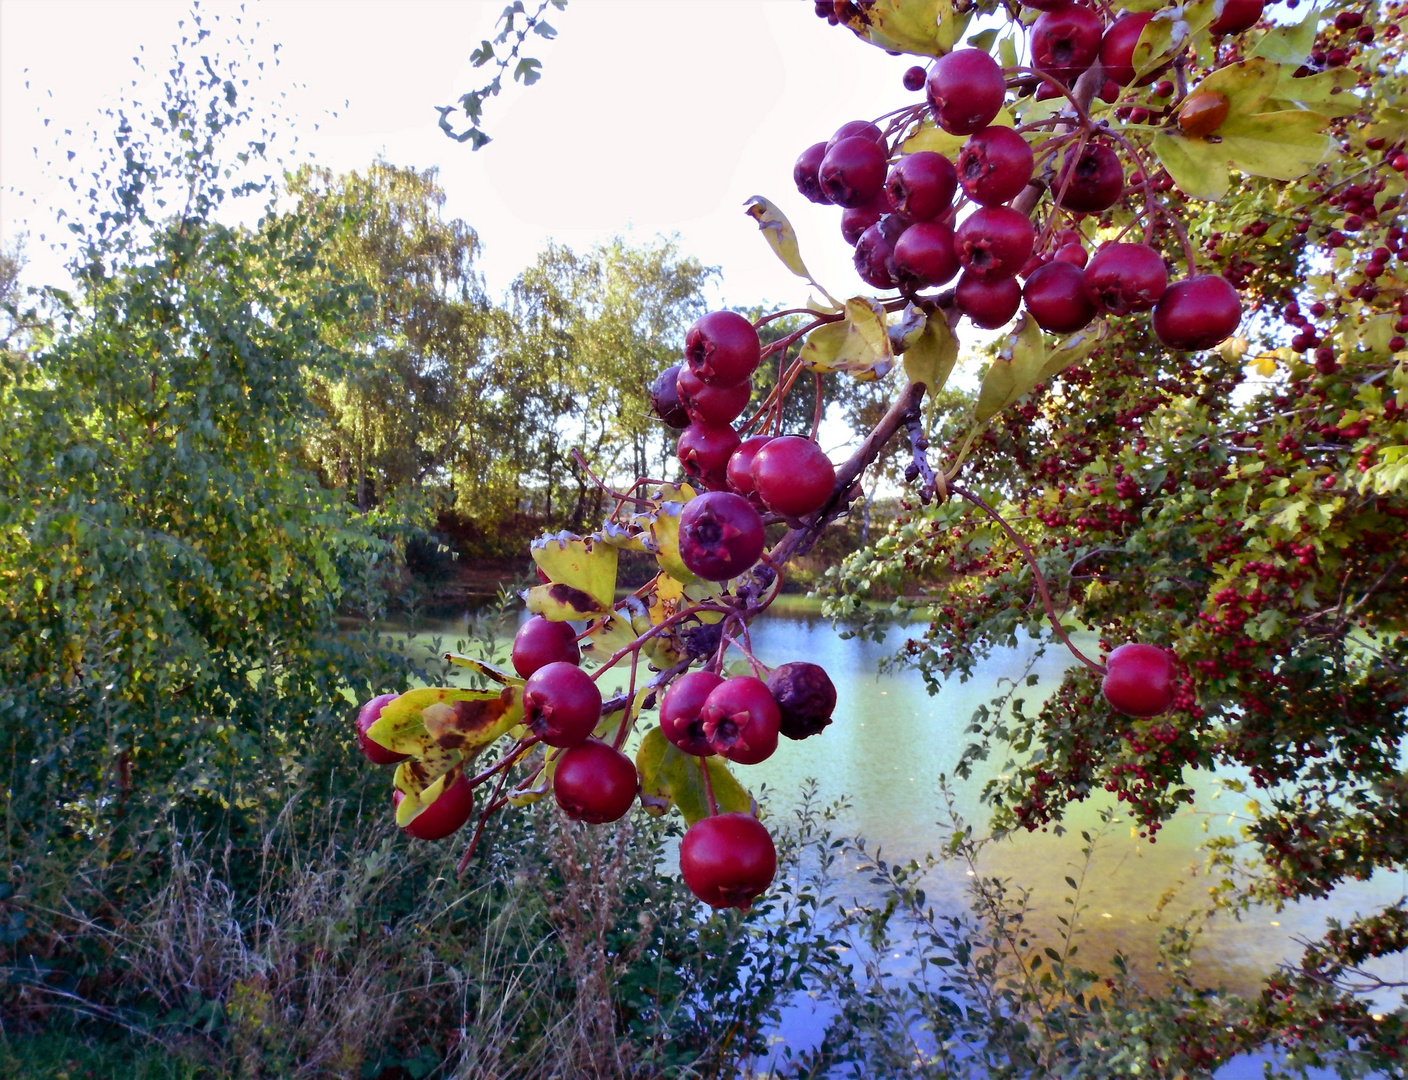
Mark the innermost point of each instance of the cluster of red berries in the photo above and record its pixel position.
(899, 210)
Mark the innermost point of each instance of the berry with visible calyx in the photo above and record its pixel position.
(721, 535)
(1237, 15)
(1202, 113)
(924, 256)
(853, 171)
(368, 715)
(863, 129)
(741, 720)
(994, 165)
(965, 90)
(914, 78)
(921, 185)
(594, 782)
(446, 815)
(561, 704)
(856, 219)
(728, 860)
(989, 303)
(679, 711)
(994, 242)
(712, 405)
(875, 258)
(704, 450)
(540, 642)
(740, 464)
(1055, 297)
(1066, 41)
(1117, 48)
(793, 476)
(1124, 278)
(804, 173)
(805, 698)
(1197, 313)
(722, 348)
(1139, 680)
(665, 398)
(1096, 180)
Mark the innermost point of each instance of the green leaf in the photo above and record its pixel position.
(822, 344)
(780, 235)
(1246, 85)
(931, 359)
(1197, 166)
(1330, 93)
(1279, 145)
(655, 796)
(483, 667)
(1290, 44)
(922, 27)
(684, 780)
(1074, 349)
(866, 347)
(1168, 32)
(1014, 371)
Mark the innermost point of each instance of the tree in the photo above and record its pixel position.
(1236, 501)
(171, 577)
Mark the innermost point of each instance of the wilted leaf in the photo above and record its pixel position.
(780, 235)
(922, 27)
(821, 346)
(483, 667)
(665, 536)
(581, 564)
(424, 722)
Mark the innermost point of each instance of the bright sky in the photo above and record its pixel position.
(652, 116)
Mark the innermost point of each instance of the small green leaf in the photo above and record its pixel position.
(1290, 44)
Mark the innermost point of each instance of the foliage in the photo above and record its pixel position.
(170, 578)
(526, 70)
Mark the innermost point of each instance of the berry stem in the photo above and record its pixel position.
(818, 409)
(708, 787)
(1036, 572)
(512, 757)
(627, 720)
(483, 820)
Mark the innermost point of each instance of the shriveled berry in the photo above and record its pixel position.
(665, 398)
(805, 698)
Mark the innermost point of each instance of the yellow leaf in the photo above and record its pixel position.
(922, 27)
(1014, 371)
(780, 235)
(1195, 165)
(822, 344)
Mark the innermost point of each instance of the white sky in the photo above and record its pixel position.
(653, 116)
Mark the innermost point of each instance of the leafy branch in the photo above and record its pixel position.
(526, 69)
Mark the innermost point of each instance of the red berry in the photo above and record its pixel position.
(858, 128)
(965, 90)
(1237, 15)
(704, 450)
(856, 219)
(805, 698)
(721, 535)
(1123, 278)
(722, 348)
(728, 860)
(1117, 48)
(853, 171)
(561, 704)
(875, 258)
(594, 782)
(1096, 180)
(1055, 297)
(741, 720)
(712, 406)
(1197, 313)
(740, 463)
(804, 173)
(1139, 680)
(446, 815)
(540, 642)
(914, 78)
(994, 242)
(793, 476)
(924, 256)
(1066, 41)
(665, 398)
(988, 303)
(367, 715)
(921, 185)
(679, 711)
(994, 165)
(1073, 254)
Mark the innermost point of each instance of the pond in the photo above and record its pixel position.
(890, 741)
